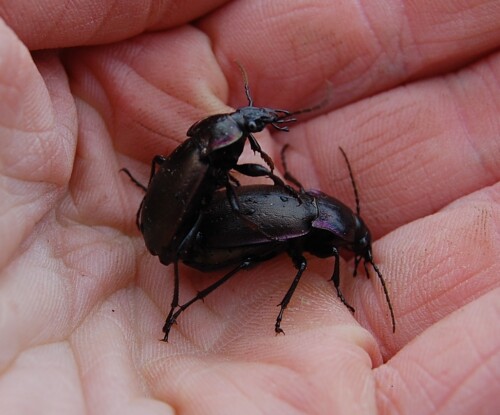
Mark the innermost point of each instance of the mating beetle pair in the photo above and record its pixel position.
(185, 181)
(181, 185)
(180, 221)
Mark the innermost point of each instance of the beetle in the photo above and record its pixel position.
(320, 225)
(181, 185)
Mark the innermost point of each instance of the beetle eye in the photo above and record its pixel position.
(252, 126)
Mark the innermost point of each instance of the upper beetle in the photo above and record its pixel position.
(182, 184)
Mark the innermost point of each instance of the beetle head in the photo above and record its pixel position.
(255, 119)
(362, 246)
(363, 252)
(362, 239)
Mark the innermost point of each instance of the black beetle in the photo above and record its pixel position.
(320, 225)
(181, 185)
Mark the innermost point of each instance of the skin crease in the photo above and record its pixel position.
(414, 101)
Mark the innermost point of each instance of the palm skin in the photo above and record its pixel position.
(83, 302)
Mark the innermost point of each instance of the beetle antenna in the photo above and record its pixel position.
(245, 83)
(356, 196)
(382, 281)
(318, 106)
(310, 109)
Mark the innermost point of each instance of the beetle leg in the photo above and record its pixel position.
(257, 170)
(255, 146)
(366, 270)
(175, 301)
(183, 248)
(190, 238)
(133, 179)
(357, 260)
(138, 216)
(138, 184)
(235, 206)
(157, 160)
(301, 265)
(233, 179)
(233, 199)
(201, 295)
(336, 279)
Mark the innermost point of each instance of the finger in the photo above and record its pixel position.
(413, 150)
(295, 371)
(55, 24)
(361, 48)
(432, 267)
(453, 367)
(42, 380)
(35, 138)
(147, 99)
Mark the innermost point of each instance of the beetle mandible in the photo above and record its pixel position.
(320, 225)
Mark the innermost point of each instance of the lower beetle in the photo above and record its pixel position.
(320, 225)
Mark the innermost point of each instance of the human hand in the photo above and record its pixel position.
(415, 105)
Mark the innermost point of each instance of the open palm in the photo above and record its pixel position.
(414, 101)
